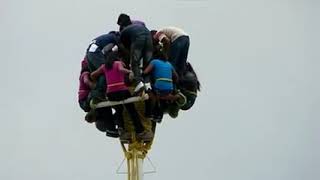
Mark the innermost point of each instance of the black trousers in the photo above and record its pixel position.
(179, 53)
(140, 48)
(134, 116)
(106, 121)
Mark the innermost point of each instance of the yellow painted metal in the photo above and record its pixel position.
(135, 153)
(136, 150)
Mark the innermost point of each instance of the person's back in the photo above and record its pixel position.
(138, 22)
(105, 39)
(172, 33)
(162, 74)
(115, 77)
(117, 91)
(133, 31)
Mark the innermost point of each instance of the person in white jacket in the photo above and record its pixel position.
(176, 44)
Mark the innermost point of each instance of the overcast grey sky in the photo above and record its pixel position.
(256, 118)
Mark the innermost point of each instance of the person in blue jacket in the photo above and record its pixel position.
(164, 76)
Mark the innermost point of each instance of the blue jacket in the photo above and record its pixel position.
(162, 73)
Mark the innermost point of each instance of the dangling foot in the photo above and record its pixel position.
(173, 110)
(91, 116)
(139, 88)
(148, 87)
(112, 133)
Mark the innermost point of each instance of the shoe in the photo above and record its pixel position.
(148, 87)
(91, 116)
(157, 119)
(145, 136)
(173, 111)
(114, 134)
(139, 88)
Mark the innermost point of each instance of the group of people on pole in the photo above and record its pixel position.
(152, 62)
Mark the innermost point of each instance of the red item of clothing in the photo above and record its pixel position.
(114, 77)
(84, 89)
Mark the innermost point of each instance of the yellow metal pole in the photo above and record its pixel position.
(135, 157)
(129, 169)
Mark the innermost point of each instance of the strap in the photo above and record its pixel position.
(191, 92)
(164, 79)
(116, 84)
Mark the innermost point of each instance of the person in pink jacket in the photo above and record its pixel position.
(117, 90)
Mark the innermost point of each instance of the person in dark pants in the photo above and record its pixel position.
(102, 117)
(176, 44)
(96, 51)
(105, 122)
(164, 75)
(138, 40)
(117, 90)
(100, 46)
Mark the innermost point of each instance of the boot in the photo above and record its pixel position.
(91, 116)
(139, 88)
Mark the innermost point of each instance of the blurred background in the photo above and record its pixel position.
(256, 117)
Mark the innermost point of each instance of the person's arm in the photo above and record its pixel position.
(87, 81)
(165, 41)
(95, 74)
(175, 76)
(123, 69)
(148, 69)
(107, 48)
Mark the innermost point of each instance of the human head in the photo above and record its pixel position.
(160, 54)
(123, 21)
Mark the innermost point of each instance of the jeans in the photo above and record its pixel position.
(140, 48)
(178, 53)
